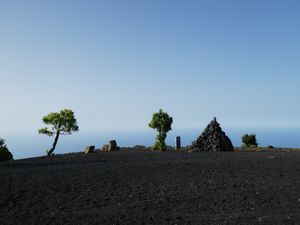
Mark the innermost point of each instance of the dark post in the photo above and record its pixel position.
(178, 143)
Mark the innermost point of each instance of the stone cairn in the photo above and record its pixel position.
(111, 146)
(212, 139)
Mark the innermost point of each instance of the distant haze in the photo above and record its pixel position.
(114, 63)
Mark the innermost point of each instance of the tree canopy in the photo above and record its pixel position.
(63, 122)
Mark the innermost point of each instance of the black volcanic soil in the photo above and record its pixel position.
(134, 187)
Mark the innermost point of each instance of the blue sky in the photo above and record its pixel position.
(116, 62)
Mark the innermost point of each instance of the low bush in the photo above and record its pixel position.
(5, 154)
(249, 140)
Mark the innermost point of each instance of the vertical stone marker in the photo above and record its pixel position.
(178, 143)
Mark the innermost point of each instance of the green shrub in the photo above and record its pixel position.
(161, 122)
(4, 152)
(249, 140)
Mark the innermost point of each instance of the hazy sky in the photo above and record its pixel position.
(116, 62)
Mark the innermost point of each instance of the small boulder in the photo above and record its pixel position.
(111, 146)
(89, 149)
(104, 148)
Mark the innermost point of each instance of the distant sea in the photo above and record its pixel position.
(32, 145)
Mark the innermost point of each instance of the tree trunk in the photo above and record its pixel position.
(54, 144)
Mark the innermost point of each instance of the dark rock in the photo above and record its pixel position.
(104, 148)
(111, 146)
(89, 149)
(212, 139)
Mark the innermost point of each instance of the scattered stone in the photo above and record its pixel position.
(97, 150)
(105, 148)
(139, 147)
(212, 139)
(89, 149)
(111, 146)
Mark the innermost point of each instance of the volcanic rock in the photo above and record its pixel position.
(89, 149)
(111, 146)
(212, 139)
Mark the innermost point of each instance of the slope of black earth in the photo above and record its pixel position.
(135, 187)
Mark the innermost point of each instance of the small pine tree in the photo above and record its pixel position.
(61, 123)
(162, 122)
(5, 154)
(249, 140)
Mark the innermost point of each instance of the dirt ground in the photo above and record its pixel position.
(136, 187)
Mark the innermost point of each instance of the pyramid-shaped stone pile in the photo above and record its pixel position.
(212, 139)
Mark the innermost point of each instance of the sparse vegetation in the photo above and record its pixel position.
(249, 140)
(162, 122)
(5, 154)
(61, 123)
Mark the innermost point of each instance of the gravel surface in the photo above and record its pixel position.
(136, 187)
